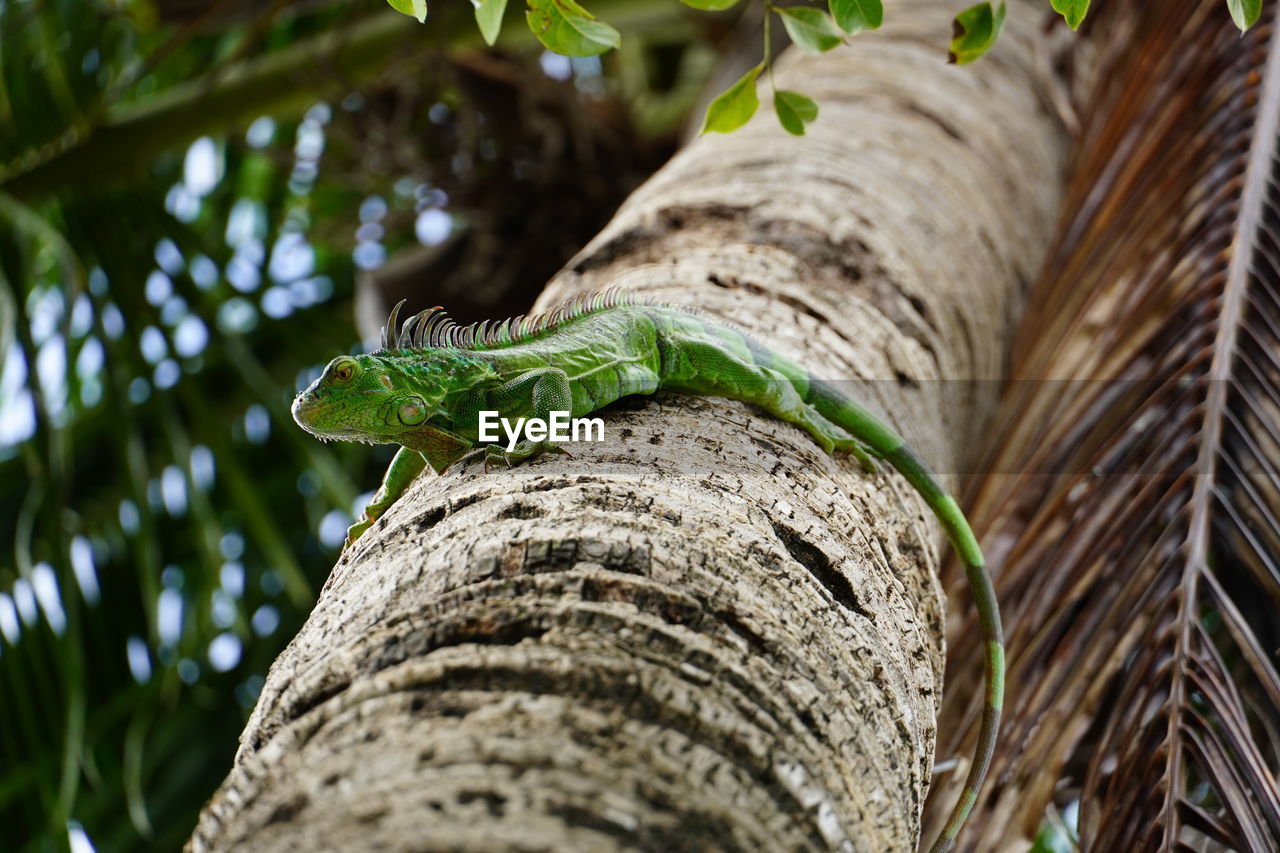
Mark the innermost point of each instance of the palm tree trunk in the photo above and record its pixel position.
(701, 634)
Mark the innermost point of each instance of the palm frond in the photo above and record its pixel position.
(1133, 508)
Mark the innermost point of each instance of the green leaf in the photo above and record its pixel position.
(794, 110)
(412, 8)
(711, 5)
(974, 31)
(1244, 12)
(1074, 10)
(810, 29)
(489, 18)
(569, 29)
(735, 105)
(854, 16)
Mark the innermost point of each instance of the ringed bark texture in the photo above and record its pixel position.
(702, 633)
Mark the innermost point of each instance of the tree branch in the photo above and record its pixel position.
(280, 83)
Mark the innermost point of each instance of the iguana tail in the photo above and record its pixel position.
(887, 444)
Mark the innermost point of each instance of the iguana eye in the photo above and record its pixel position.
(344, 370)
(412, 412)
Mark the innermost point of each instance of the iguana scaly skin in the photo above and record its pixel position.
(424, 390)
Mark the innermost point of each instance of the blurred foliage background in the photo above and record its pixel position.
(196, 201)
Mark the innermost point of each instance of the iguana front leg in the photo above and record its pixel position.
(402, 471)
(535, 394)
(422, 447)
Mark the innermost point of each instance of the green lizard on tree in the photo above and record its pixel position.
(426, 387)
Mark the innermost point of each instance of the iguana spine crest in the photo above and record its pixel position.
(435, 329)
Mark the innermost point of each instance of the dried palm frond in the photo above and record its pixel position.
(1133, 512)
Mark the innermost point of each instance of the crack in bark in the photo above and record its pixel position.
(819, 565)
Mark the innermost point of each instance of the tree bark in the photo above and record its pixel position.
(702, 633)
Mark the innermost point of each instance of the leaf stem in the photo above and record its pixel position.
(768, 44)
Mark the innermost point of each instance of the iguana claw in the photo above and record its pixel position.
(355, 531)
(523, 451)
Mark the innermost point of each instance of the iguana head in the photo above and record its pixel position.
(376, 398)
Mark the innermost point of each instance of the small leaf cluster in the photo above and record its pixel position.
(813, 31)
(567, 28)
(1072, 11)
(975, 30)
(1245, 12)
(412, 8)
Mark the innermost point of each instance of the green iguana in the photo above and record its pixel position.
(426, 387)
